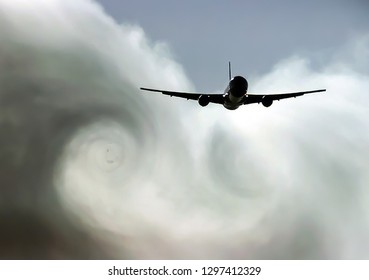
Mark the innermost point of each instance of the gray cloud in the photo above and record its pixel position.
(99, 170)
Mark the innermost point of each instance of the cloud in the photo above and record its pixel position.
(68, 72)
(87, 159)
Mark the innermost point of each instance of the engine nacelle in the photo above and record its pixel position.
(267, 101)
(204, 100)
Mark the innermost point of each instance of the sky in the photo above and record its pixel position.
(92, 168)
(253, 35)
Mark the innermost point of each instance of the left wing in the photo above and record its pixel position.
(213, 98)
(257, 98)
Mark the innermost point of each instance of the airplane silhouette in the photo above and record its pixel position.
(234, 95)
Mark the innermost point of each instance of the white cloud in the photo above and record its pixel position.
(162, 178)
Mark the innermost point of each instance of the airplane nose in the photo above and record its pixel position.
(238, 86)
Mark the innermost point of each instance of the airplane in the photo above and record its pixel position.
(234, 95)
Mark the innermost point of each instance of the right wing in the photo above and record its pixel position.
(257, 98)
(213, 98)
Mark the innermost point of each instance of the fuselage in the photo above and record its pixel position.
(235, 92)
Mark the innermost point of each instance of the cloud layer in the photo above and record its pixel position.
(87, 159)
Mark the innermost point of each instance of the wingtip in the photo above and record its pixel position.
(319, 90)
(151, 89)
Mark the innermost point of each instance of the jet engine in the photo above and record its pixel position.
(267, 101)
(204, 100)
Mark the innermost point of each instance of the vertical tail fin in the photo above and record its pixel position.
(229, 70)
